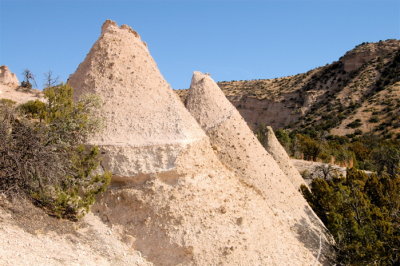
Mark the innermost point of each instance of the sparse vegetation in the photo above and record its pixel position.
(356, 123)
(42, 155)
(28, 79)
(362, 213)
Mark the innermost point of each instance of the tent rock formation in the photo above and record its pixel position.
(239, 149)
(171, 194)
(145, 128)
(281, 157)
(7, 77)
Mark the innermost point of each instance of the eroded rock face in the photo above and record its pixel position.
(7, 77)
(365, 52)
(145, 127)
(239, 149)
(170, 193)
(282, 158)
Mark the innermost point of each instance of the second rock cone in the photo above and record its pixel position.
(240, 151)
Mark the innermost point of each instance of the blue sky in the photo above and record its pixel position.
(232, 40)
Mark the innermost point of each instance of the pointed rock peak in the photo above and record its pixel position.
(277, 151)
(238, 148)
(140, 111)
(107, 25)
(112, 26)
(207, 101)
(7, 77)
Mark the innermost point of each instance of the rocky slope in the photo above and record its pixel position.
(28, 236)
(360, 91)
(10, 89)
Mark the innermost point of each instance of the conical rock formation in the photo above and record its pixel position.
(239, 149)
(8, 78)
(145, 127)
(282, 158)
(170, 194)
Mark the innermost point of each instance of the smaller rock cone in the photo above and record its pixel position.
(9, 88)
(8, 78)
(281, 157)
(238, 149)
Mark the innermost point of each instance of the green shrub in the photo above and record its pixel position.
(373, 119)
(7, 102)
(26, 85)
(309, 147)
(361, 211)
(45, 159)
(356, 123)
(33, 109)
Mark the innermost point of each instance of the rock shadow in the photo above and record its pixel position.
(316, 238)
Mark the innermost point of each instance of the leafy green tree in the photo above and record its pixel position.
(387, 158)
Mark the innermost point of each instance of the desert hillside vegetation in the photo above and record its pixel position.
(43, 156)
(358, 94)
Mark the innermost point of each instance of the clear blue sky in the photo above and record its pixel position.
(232, 40)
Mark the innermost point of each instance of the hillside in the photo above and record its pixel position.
(359, 93)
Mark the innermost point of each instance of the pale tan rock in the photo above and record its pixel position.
(44, 240)
(145, 127)
(9, 88)
(170, 193)
(240, 151)
(282, 158)
(19, 95)
(7, 77)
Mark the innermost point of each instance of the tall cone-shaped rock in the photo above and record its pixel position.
(239, 149)
(171, 197)
(145, 127)
(282, 158)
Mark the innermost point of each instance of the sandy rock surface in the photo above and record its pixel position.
(145, 127)
(240, 151)
(18, 95)
(170, 192)
(9, 88)
(28, 236)
(282, 158)
(7, 77)
(175, 198)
